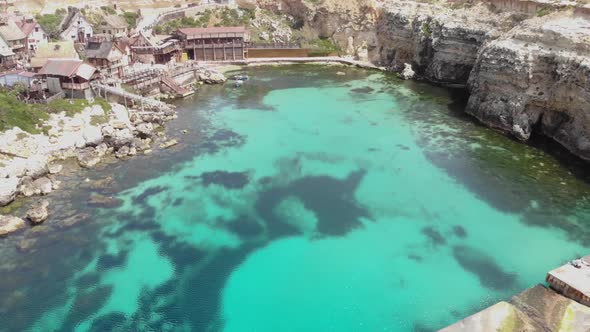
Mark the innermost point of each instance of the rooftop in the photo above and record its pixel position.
(114, 21)
(67, 68)
(26, 25)
(56, 50)
(11, 32)
(206, 32)
(99, 50)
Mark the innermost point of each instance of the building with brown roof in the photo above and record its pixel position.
(13, 36)
(53, 50)
(113, 25)
(7, 56)
(214, 44)
(159, 49)
(69, 76)
(107, 57)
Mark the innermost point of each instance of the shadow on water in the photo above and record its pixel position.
(509, 175)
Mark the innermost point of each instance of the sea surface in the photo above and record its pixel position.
(313, 198)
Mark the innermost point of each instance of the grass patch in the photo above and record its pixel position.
(321, 47)
(12, 207)
(426, 30)
(546, 10)
(131, 18)
(221, 17)
(51, 23)
(31, 118)
(14, 113)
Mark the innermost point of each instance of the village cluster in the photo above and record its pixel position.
(89, 58)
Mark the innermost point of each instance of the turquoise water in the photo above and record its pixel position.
(305, 201)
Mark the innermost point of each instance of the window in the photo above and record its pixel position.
(36, 29)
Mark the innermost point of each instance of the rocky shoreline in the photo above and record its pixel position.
(30, 164)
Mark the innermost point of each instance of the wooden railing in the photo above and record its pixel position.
(75, 86)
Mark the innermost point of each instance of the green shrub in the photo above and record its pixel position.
(426, 29)
(131, 18)
(51, 23)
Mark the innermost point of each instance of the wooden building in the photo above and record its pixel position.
(107, 57)
(214, 44)
(159, 49)
(69, 76)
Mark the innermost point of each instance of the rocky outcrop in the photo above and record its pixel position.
(39, 212)
(10, 224)
(8, 190)
(441, 44)
(536, 78)
(341, 21)
(26, 160)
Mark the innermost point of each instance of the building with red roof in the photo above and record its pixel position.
(33, 31)
(70, 76)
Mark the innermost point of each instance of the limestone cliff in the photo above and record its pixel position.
(351, 24)
(536, 77)
(523, 72)
(439, 42)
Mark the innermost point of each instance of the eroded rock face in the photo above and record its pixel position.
(335, 19)
(10, 224)
(536, 77)
(441, 44)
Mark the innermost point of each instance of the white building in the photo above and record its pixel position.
(75, 27)
(34, 32)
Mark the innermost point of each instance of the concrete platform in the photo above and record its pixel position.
(536, 309)
(573, 282)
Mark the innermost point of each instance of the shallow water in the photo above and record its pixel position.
(304, 201)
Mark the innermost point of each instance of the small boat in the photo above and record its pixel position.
(241, 77)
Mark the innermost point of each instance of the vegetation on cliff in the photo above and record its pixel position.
(31, 117)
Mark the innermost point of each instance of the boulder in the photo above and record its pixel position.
(98, 200)
(108, 131)
(88, 157)
(145, 129)
(10, 224)
(38, 213)
(408, 72)
(92, 135)
(55, 168)
(168, 144)
(36, 166)
(121, 137)
(122, 152)
(41, 186)
(8, 190)
(212, 77)
(102, 183)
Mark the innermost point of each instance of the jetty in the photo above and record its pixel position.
(101, 89)
(291, 60)
(561, 305)
(572, 280)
